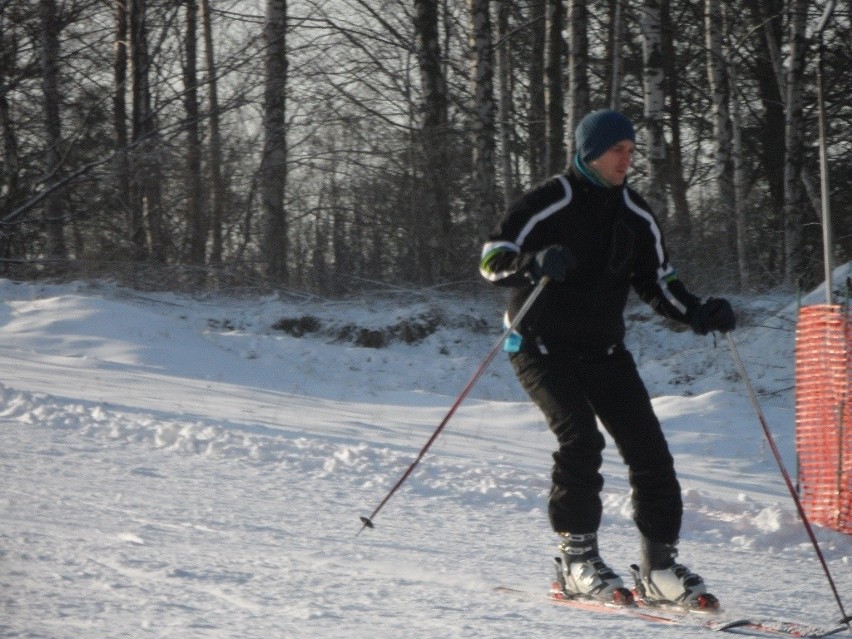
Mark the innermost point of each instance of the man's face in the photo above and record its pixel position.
(614, 164)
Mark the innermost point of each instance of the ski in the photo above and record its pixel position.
(719, 620)
(708, 604)
(654, 614)
(715, 620)
(634, 611)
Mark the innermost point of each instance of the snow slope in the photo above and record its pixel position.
(176, 467)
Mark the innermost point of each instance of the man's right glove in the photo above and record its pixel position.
(715, 314)
(554, 262)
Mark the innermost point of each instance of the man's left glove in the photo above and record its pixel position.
(715, 314)
(554, 262)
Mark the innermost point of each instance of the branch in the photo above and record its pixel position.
(12, 217)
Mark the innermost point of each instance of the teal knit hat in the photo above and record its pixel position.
(600, 130)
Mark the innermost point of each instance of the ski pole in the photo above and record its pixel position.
(368, 521)
(771, 440)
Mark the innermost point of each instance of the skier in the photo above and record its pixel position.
(594, 237)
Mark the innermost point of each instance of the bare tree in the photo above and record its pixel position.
(484, 119)
(391, 85)
(739, 174)
(9, 159)
(767, 30)
(767, 21)
(717, 74)
(147, 233)
(537, 113)
(579, 100)
(554, 78)
(54, 204)
(194, 205)
(674, 152)
(215, 178)
(273, 168)
(794, 147)
(433, 143)
(121, 163)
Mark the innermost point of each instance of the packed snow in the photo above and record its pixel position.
(176, 466)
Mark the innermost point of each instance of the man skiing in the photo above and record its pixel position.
(595, 238)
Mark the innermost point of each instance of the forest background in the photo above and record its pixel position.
(333, 145)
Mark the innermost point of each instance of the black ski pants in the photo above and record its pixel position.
(571, 390)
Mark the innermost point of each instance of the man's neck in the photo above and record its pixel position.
(590, 174)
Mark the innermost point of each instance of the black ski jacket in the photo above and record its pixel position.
(617, 244)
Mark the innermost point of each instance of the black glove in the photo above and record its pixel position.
(553, 262)
(715, 314)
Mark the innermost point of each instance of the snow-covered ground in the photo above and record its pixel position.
(177, 467)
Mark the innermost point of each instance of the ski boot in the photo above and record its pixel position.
(580, 572)
(661, 580)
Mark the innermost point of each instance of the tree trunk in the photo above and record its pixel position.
(484, 120)
(273, 167)
(320, 272)
(194, 204)
(555, 94)
(215, 179)
(54, 203)
(674, 152)
(341, 241)
(505, 102)
(537, 119)
(146, 200)
(653, 80)
(151, 152)
(793, 145)
(433, 241)
(10, 164)
(739, 178)
(616, 66)
(770, 81)
(717, 74)
(579, 100)
(121, 164)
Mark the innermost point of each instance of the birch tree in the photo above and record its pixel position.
(484, 120)
(616, 66)
(653, 78)
(273, 168)
(505, 101)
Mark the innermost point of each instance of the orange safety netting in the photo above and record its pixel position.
(824, 414)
